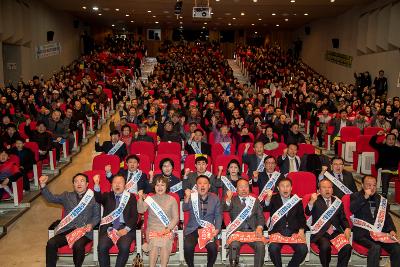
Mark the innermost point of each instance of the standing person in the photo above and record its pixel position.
(204, 215)
(83, 213)
(113, 147)
(118, 226)
(162, 219)
(324, 230)
(381, 84)
(373, 226)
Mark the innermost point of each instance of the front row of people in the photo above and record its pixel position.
(372, 225)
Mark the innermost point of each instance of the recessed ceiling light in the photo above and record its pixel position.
(156, 22)
(260, 19)
(205, 23)
(131, 21)
(286, 19)
(148, 11)
(95, 8)
(154, 16)
(165, 11)
(242, 14)
(233, 18)
(273, 14)
(181, 22)
(204, 27)
(117, 9)
(100, 14)
(305, 14)
(127, 15)
(277, 25)
(292, 1)
(217, 0)
(228, 14)
(255, 1)
(84, 7)
(255, 32)
(112, 25)
(181, 17)
(294, 14)
(252, 24)
(212, 13)
(229, 24)
(332, 1)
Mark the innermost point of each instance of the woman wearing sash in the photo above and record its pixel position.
(167, 167)
(82, 213)
(228, 182)
(159, 233)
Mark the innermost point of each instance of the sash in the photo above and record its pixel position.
(196, 148)
(228, 184)
(260, 167)
(383, 237)
(245, 237)
(135, 179)
(338, 183)
(176, 188)
(243, 215)
(115, 147)
(205, 233)
(157, 210)
(282, 211)
(115, 214)
(227, 147)
(326, 216)
(154, 234)
(294, 239)
(269, 185)
(340, 241)
(75, 235)
(76, 211)
(195, 204)
(379, 221)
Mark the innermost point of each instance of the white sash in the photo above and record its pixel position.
(195, 204)
(282, 211)
(243, 215)
(227, 147)
(176, 188)
(196, 148)
(338, 183)
(115, 148)
(269, 185)
(379, 221)
(73, 214)
(326, 216)
(228, 184)
(115, 214)
(261, 166)
(157, 210)
(135, 179)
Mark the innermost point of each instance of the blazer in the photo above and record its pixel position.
(130, 213)
(360, 208)
(255, 219)
(252, 161)
(142, 184)
(348, 181)
(263, 179)
(294, 219)
(338, 220)
(213, 215)
(69, 200)
(336, 124)
(107, 145)
(284, 164)
(204, 147)
(190, 181)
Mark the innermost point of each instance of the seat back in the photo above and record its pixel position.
(108, 92)
(142, 147)
(144, 164)
(223, 161)
(134, 127)
(169, 148)
(277, 151)
(175, 158)
(34, 147)
(218, 149)
(105, 185)
(100, 162)
(154, 136)
(241, 148)
(305, 149)
(303, 183)
(346, 205)
(362, 143)
(372, 130)
(349, 133)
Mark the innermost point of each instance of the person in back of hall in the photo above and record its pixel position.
(381, 84)
(195, 145)
(255, 162)
(41, 137)
(141, 134)
(294, 136)
(388, 158)
(9, 137)
(289, 161)
(267, 136)
(112, 147)
(170, 134)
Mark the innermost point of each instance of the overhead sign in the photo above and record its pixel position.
(338, 58)
(48, 50)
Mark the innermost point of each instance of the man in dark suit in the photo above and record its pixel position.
(292, 222)
(190, 178)
(132, 174)
(108, 145)
(254, 222)
(364, 205)
(125, 224)
(289, 161)
(345, 177)
(254, 161)
(262, 178)
(294, 136)
(196, 146)
(338, 124)
(337, 224)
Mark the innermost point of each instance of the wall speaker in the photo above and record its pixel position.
(335, 43)
(307, 30)
(50, 36)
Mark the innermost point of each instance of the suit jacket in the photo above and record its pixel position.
(252, 161)
(360, 208)
(255, 219)
(348, 181)
(142, 184)
(338, 220)
(213, 215)
(107, 145)
(336, 124)
(69, 200)
(294, 219)
(107, 200)
(190, 181)
(263, 179)
(284, 164)
(204, 147)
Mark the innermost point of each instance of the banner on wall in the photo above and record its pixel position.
(48, 50)
(338, 58)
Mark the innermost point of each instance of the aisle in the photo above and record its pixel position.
(25, 242)
(237, 72)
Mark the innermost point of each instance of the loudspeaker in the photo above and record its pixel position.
(76, 24)
(307, 30)
(50, 36)
(335, 43)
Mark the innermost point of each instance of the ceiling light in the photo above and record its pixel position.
(148, 11)
(255, 32)
(84, 7)
(277, 25)
(131, 21)
(165, 11)
(181, 22)
(229, 24)
(233, 18)
(154, 16)
(228, 14)
(332, 1)
(292, 1)
(252, 24)
(100, 14)
(95, 8)
(212, 13)
(305, 14)
(127, 15)
(286, 19)
(181, 17)
(156, 22)
(255, 1)
(242, 14)
(204, 27)
(273, 14)
(260, 19)
(205, 23)
(112, 25)
(117, 9)
(217, 0)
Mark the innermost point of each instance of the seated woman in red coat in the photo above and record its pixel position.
(9, 172)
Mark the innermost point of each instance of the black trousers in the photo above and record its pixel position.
(385, 177)
(259, 252)
(123, 244)
(300, 253)
(325, 251)
(374, 251)
(60, 240)
(190, 243)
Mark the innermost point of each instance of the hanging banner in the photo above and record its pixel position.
(48, 50)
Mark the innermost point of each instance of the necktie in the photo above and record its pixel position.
(328, 202)
(56, 127)
(116, 222)
(244, 201)
(330, 229)
(269, 176)
(130, 176)
(292, 163)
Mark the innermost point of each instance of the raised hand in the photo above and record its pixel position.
(367, 193)
(380, 133)
(151, 176)
(220, 169)
(187, 171)
(324, 169)
(269, 194)
(229, 195)
(43, 179)
(255, 174)
(188, 192)
(313, 198)
(246, 146)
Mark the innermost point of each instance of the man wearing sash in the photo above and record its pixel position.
(113, 147)
(195, 144)
(190, 178)
(343, 181)
(82, 212)
(246, 216)
(204, 213)
(119, 221)
(370, 219)
(267, 179)
(328, 222)
(289, 161)
(287, 219)
(255, 162)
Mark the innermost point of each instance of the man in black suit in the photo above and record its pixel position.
(254, 222)
(254, 161)
(364, 205)
(262, 178)
(343, 176)
(338, 124)
(196, 146)
(289, 161)
(109, 145)
(337, 224)
(292, 222)
(135, 179)
(124, 224)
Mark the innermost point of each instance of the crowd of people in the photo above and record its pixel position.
(192, 98)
